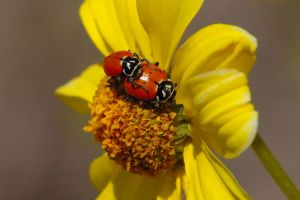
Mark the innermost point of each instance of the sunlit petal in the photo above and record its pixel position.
(165, 22)
(217, 46)
(103, 170)
(92, 28)
(128, 186)
(132, 28)
(80, 90)
(114, 25)
(218, 102)
(207, 178)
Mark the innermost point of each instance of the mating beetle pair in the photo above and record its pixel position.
(140, 79)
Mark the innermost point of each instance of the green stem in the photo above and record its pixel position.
(274, 168)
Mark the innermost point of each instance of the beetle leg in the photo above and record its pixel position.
(145, 60)
(135, 55)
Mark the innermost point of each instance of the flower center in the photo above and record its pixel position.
(143, 141)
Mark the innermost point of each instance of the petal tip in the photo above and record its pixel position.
(249, 130)
(74, 103)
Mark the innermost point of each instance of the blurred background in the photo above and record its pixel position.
(44, 153)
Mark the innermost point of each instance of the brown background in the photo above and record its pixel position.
(43, 152)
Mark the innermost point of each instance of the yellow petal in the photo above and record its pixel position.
(102, 170)
(126, 186)
(114, 25)
(219, 104)
(92, 28)
(80, 90)
(207, 178)
(217, 46)
(165, 22)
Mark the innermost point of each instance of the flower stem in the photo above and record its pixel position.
(274, 168)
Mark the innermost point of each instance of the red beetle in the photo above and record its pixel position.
(152, 88)
(122, 63)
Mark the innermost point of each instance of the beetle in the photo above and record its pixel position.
(153, 88)
(122, 63)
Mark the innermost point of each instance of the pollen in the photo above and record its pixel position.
(142, 141)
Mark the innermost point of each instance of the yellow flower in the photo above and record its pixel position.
(210, 69)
